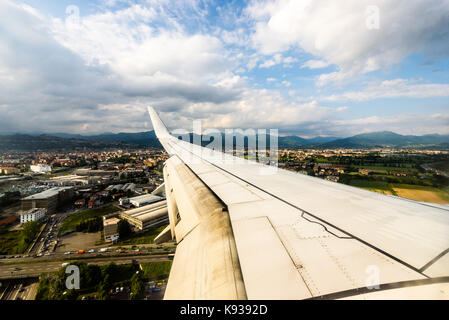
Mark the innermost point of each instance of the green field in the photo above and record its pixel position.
(144, 237)
(13, 242)
(156, 270)
(9, 242)
(73, 220)
(385, 170)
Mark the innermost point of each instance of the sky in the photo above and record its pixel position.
(304, 67)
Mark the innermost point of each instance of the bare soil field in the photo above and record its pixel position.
(78, 241)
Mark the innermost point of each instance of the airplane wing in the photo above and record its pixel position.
(245, 234)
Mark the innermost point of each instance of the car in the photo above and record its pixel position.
(47, 254)
(39, 254)
(18, 257)
(68, 252)
(91, 251)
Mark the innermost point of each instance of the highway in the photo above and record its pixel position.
(24, 289)
(34, 269)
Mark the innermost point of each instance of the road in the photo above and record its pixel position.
(23, 289)
(34, 269)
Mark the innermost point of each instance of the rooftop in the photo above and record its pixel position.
(146, 197)
(111, 221)
(148, 212)
(47, 193)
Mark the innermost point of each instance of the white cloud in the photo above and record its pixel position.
(277, 58)
(315, 64)
(393, 89)
(289, 60)
(336, 31)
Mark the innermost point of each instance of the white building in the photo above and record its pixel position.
(144, 200)
(32, 215)
(40, 168)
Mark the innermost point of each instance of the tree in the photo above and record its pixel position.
(105, 287)
(124, 229)
(137, 286)
(29, 231)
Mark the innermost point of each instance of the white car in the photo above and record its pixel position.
(91, 251)
(68, 252)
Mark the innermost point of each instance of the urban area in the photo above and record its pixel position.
(98, 210)
(103, 211)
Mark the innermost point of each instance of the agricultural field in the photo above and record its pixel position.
(426, 194)
(412, 192)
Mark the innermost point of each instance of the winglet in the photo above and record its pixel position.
(158, 125)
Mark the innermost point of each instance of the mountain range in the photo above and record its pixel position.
(61, 141)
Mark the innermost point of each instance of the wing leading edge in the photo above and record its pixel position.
(300, 237)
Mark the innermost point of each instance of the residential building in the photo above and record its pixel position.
(35, 214)
(110, 229)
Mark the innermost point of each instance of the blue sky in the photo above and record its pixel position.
(305, 67)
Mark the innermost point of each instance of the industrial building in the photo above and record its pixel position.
(110, 229)
(35, 214)
(143, 200)
(40, 168)
(76, 180)
(148, 216)
(49, 199)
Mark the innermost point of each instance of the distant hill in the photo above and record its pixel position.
(61, 141)
(388, 139)
(31, 143)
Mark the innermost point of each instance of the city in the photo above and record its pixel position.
(58, 205)
(99, 207)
